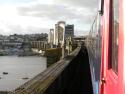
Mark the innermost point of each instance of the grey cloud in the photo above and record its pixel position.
(51, 11)
(81, 32)
(55, 12)
(81, 3)
(66, 10)
(28, 30)
(31, 29)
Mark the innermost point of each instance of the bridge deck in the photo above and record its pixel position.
(70, 75)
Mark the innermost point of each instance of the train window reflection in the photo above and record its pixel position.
(114, 62)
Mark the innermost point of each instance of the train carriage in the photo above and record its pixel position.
(106, 48)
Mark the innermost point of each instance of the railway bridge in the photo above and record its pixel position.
(70, 75)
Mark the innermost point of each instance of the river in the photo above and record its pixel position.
(18, 68)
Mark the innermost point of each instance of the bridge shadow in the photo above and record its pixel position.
(75, 78)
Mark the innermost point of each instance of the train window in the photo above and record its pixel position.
(115, 29)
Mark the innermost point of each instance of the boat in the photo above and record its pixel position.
(25, 78)
(5, 73)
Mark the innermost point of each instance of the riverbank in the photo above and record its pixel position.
(4, 92)
(10, 52)
(28, 53)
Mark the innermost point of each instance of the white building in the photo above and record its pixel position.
(59, 33)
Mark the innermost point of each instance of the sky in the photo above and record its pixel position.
(38, 16)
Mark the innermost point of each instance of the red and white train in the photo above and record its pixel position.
(106, 48)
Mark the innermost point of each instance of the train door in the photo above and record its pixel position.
(109, 75)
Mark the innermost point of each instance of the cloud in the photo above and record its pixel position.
(11, 22)
(79, 3)
(82, 17)
(41, 15)
(53, 12)
(56, 12)
(74, 3)
(14, 29)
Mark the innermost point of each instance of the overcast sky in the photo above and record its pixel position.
(38, 16)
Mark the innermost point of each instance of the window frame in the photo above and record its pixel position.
(111, 31)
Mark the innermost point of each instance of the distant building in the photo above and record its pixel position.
(51, 36)
(62, 34)
(56, 34)
(59, 32)
(69, 31)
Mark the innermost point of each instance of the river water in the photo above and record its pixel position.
(18, 68)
